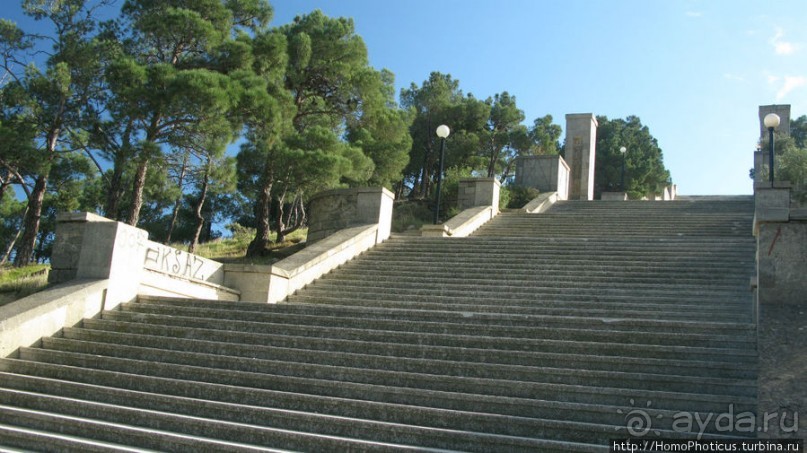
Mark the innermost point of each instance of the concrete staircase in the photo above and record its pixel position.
(541, 333)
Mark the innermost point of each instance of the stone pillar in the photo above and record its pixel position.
(335, 210)
(89, 246)
(545, 173)
(784, 114)
(581, 141)
(478, 192)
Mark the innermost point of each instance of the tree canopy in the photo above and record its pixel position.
(644, 162)
(175, 115)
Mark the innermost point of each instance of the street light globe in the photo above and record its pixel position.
(772, 120)
(623, 150)
(443, 131)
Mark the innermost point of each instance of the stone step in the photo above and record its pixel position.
(627, 226)
(402, 329)
(100, 430)
(448, 363)
(526, 279)
(33, 440)
(363, 400)
(469, 379)
(308, 304)
(258, 426)
(539, 264)
(471, 348)
(628, 330)
(564, 251)
(503, 292)
(636, 310)
(616, 244)
(398, 423)
(465, 246)
(486, 403)
(270, 312)
(551, 296)
(413, 262)
(600, 254)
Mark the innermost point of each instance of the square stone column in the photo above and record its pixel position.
(479, 192)
(580, 152)
(89, 246)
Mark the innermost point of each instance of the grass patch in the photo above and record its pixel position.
(232, 250)
(19, 282)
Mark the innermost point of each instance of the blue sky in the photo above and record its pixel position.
(694, 71)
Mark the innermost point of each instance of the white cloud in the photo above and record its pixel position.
(789, 84)
(780, 46)
(694, 13)
(735, 77)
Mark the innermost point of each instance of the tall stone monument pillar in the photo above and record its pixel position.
(581, 141)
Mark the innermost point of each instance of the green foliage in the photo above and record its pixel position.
(644, 163)
(545, 137)
(486, 136)
(45, 106)
(790, 161)
(334, 122)
(517, 196)
(411, 215)
(19, 282)
(449, 205)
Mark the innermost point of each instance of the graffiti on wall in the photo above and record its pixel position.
(173, 261)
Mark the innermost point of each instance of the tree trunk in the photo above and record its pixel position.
(137, 191)
(506, 172)
(280, 226)
(177, 202)
(262, 214)
(113, 195)
(200, 220)
(11, 244)
(494, 156)
(297, 211)
(425, 177)
(31, 222)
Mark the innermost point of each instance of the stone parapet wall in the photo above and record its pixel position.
(781, 233)
(335, 210)
(545, 173)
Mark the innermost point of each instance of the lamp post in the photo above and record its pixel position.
(771, 122)
(623, 150)
(442, 132)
